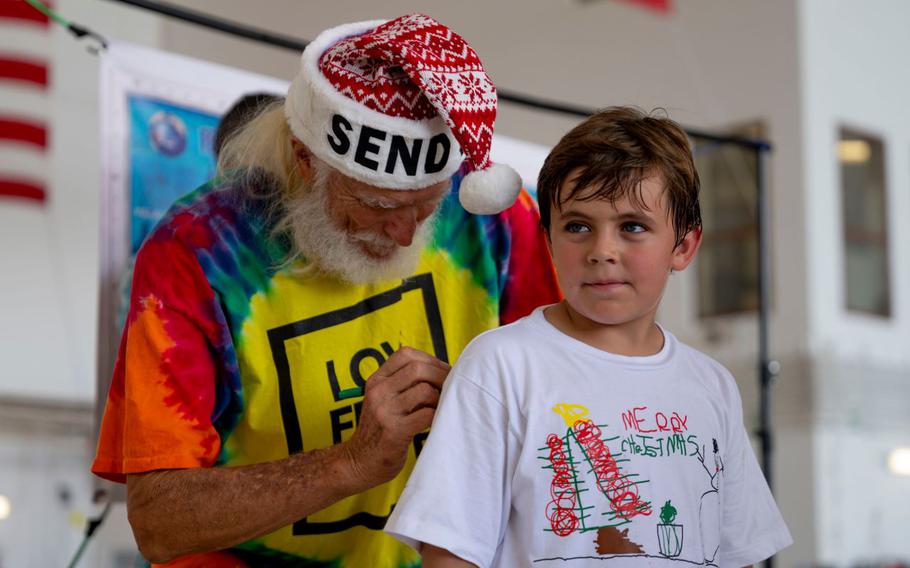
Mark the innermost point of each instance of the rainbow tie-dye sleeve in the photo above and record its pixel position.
(165, 369)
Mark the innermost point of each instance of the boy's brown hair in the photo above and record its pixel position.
(610, 153)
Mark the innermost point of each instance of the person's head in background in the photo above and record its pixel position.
(241, 112)
(618, 198)
(362, 151)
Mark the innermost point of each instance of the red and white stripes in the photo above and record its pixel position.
(25, 50)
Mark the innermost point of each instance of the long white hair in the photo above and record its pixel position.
(262, 146)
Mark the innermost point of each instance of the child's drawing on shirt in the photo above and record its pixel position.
(669, 535)
(593, 486)
(580, 446)
(709, 505)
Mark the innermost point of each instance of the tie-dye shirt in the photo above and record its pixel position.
(228, 359)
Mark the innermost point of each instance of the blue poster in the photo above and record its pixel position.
(170, 154)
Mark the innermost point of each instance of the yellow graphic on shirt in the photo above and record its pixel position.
(308, 341)
(571, 413)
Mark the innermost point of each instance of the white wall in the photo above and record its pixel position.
(863, 514)
(44, 479)
(48, 285)
(854, 77)
(43, 473)
(853, 59)
(48, 302)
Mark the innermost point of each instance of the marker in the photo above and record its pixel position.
(350, 393)
(355, 392)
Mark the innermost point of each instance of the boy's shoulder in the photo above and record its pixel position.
(522, 334)
(506, 350)
(706, 370)
(698, 357)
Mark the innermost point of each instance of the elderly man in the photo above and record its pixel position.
(291, 324)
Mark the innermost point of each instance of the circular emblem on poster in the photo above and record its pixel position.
(168, 133)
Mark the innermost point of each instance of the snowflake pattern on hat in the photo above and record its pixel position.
(413, 67)
(390, 103)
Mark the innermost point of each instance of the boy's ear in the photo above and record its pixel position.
(685, 250)
(304, 159)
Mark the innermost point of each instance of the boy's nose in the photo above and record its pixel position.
(603, 251)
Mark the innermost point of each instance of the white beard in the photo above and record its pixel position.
(331, 250)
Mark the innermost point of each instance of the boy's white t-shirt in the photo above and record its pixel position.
(546, 451)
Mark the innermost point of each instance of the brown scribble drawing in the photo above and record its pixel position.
(611, 541)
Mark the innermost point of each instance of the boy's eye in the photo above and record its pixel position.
(575, 227)
(634, 228)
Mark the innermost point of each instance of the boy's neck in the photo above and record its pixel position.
(638, 338)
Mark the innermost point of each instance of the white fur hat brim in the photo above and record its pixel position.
(358, 141)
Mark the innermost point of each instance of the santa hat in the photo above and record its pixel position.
(396, 103)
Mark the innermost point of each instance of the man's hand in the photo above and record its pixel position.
(399, 402)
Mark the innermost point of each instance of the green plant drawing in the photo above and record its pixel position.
(667, 513)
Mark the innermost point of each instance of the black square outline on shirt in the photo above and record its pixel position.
(279, 335)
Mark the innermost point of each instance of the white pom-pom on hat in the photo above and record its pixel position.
(489, 191)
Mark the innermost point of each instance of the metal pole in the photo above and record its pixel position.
(768, 369)
(204, 20)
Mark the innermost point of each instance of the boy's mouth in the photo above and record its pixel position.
(606, 284)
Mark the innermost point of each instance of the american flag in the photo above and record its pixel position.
(24, 101)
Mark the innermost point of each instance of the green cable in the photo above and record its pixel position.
(48, 12)
(76, 30)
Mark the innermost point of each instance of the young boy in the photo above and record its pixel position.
(585, 434)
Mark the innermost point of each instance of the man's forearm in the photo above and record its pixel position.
(179, 512)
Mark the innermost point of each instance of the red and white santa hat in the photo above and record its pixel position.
(396, 103)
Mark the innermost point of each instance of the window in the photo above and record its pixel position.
(863, 194)
(728, 260)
